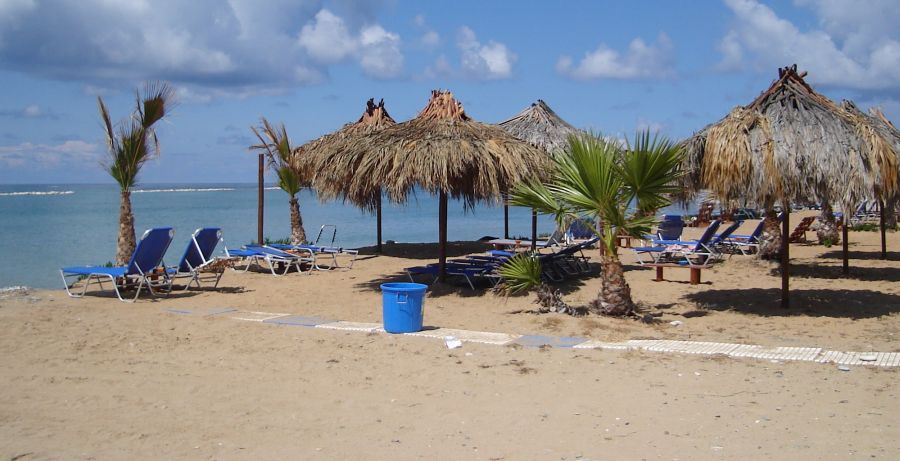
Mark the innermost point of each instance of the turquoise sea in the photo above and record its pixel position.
(45, 227)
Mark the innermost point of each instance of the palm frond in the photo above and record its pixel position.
(520, 273)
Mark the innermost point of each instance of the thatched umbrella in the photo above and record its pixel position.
(336, 172)
(443, 151)
(879, 130)
(790, 144)
(540, 126)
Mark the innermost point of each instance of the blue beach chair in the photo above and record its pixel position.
(141, 270)
(692, 253)
(198, 257)
(256, 254)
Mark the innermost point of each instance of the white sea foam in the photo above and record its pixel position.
(210, 189)
(51, 192)
(272, 188)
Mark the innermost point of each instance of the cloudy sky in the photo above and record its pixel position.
(612, 67)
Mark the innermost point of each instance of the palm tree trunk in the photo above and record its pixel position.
(615, 294)
(126, 241)
(770, 240)
(298, 234)
(827, 231)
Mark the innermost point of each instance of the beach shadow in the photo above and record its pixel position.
(766, 302)
(868, 255)
(816, 271)
(426, 250)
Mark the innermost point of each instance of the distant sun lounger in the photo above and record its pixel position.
(272, 257)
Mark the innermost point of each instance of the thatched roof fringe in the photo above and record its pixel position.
(793, 143)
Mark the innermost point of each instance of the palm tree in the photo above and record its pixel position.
(291, 178)
(129, 147)
(596, 177)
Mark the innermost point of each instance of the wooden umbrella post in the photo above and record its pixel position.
(442, 236)
(533, 230)
(378, 221)
(845, 245)
(505, 219)
(883, 237)
(785, 257)
(260, 200)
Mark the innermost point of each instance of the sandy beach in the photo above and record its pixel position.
(95, 378)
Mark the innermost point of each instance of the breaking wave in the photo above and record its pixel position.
(211, 189)
(52, 192)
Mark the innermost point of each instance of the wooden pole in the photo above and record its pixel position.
(442, 236)
(785, 256)
(505, 220)
(883, 237)
(845, 245)
(260, 200)
(533, 230)
(378, 220)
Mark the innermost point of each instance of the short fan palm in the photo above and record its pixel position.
(623, 187)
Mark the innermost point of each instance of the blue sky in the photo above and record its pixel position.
(612, 67)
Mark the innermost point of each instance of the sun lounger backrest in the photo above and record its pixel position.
(708, 233)
(200, 248)
(728, 231)
(150, 249)
(670, 227)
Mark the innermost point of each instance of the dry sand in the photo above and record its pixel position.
(94, 378)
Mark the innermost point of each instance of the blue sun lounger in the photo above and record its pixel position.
(330, 252)
(256, 254)
(198, 257)
(141, 270)
(689, 253)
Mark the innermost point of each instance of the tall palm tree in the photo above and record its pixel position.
(597, 177)
(291, 178)
(130, 145)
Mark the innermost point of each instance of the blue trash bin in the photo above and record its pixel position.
(402, 306)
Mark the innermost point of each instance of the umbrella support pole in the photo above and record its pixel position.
(261, 195)
(533, 230)
(505, 220)
(442, 236)
(785, 257)
(845, 246)
(378, 222)
(883, 237)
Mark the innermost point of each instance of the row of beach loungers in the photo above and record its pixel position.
(562, 263)
(147, 270)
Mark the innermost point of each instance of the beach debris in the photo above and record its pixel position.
(843, 368)
(452, 342)
(676, 323)
(868, 357)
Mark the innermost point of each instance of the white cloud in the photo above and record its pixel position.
(441, 68)
(28, 155)
(430, 39)
(857, 47)
(329, 41)
(640, 61)
(490, 61)
(651, 126)
(217, 47)
(380, 55)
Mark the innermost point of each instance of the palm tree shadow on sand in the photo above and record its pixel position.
(856, 254)
(851, 304)
(818, 271)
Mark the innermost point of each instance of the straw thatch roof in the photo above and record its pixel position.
(879, 130)
(540, 126)
(791, 143)
(442, 149)
(335, 171)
